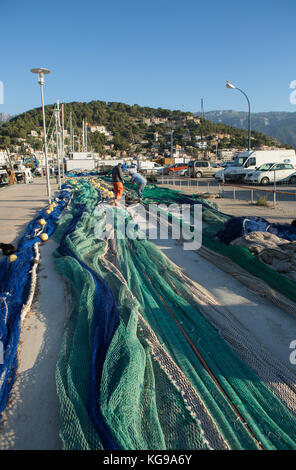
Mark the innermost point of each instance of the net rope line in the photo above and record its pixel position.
(193, 401)
(272, 371)
(36, 260)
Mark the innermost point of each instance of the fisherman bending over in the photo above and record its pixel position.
(140, 182)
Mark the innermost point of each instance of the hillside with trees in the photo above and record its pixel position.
(133, 129)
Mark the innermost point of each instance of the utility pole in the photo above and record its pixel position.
(202, 129)
(172, 142)
(71, 133)
(83, 138)
(57, 116)
(63, 143)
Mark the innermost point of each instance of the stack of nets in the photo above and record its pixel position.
(140, 366)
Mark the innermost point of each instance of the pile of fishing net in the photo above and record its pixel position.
(141, 365)
(237, 227)
(277, 253)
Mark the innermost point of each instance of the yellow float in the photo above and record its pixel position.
(44, 237)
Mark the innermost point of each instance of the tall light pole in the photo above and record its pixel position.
(58, 141)
(41, 72)
(230, 85)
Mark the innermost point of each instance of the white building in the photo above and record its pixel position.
(3, 159)
(101, 129)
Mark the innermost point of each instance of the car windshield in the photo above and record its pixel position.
(239, 161)
(265, 167)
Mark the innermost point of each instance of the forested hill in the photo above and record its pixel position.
(133, 128)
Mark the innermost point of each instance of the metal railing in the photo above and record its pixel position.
(274, 195)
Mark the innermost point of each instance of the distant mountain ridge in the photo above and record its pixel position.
(280, 125)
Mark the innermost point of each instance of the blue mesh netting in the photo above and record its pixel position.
(239, 226)
(15, 282)
(105, 323)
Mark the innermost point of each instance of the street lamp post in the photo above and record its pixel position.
(230, 85)
(41, 72)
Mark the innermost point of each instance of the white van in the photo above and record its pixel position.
(249, 161)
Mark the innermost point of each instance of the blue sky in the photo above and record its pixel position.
(161, 53)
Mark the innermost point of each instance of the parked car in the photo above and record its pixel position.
(247, 162)
(171, 169)
(181, 172)
(200, 168)
(130, 169)
(272, 172)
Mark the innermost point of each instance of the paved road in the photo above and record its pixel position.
(242, 193)
(18, 205)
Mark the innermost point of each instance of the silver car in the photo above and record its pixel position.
(272, 173)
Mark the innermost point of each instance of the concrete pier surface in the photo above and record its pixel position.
(19, 204)
(31, 417)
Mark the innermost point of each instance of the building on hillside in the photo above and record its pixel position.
(101, 129)
(224, 136)
(34, 134)
(226, 155)
(196, 120)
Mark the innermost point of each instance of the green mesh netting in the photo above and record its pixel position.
(129, 400)
(140, 401)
